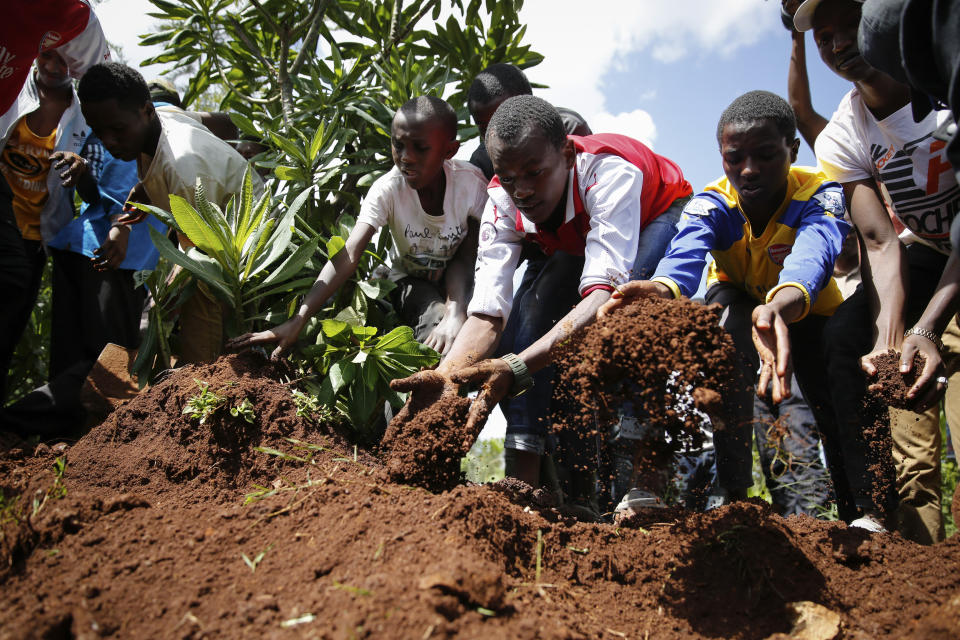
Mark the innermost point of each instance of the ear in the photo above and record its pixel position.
(148, 110)
(452, 147)
(794, 150)
(569, 153)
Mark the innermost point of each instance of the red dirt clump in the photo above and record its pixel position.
(425, 442)
(889, 385)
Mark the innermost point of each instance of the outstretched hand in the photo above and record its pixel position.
(771, 337)
(630, 291)
(495, 377)
(284, 335)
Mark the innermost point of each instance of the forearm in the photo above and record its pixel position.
(945, 301)
(788, 303)
(332, 276)
(540, 353)
(885, 281)
(809, 122)
(459, 272)
(476, 341)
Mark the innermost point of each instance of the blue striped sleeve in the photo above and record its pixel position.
(697, 235)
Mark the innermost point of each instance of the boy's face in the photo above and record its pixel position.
(123, 130)
(756, 160)
(419, 145)
(482, 113)
(533, 172)
(835, 24)
(52, 70)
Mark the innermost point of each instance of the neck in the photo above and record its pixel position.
(883, 95)
(760, 218)
(153, 137)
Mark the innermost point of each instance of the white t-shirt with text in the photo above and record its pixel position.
(423, 244)
(910, 165)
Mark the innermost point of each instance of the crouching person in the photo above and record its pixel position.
(596, 205)
(775, 232)
(431, 203)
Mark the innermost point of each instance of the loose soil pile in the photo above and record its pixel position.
(161, 527)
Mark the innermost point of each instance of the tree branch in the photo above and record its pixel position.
(397, 37)
(310, 40)
(266, 16)
(254, 49)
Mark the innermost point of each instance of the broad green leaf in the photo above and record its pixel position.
(334, 245)
(192, 224)
(377, 288)
(341, 374)
(195, 268)
(333, 328)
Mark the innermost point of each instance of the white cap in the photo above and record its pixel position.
(803, 18)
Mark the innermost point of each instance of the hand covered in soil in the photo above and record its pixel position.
(634, 289)
(132, 215)
(285, 335)
(495, 378)
(113, 250)
(926, 391)
(425, 388)
(771, 337)
(443, 335)
(71, 167)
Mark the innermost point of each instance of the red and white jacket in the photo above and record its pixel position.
(616, 187)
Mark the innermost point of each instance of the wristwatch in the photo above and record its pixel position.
(522, 380)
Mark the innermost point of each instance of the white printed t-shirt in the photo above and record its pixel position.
(188, 150)
(910, 165)
(423, 245)
(605, 199)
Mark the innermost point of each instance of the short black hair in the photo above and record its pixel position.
(517, 115)
(108, 80)
(498, 80)
(760, 105)
(431, 107)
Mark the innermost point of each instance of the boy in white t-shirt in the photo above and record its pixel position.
(873, 144)
(432, 205)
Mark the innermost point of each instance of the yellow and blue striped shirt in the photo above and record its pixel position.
(798, 248)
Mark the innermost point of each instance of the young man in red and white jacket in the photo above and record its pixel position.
(603, 208)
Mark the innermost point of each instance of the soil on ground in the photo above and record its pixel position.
(158, 526)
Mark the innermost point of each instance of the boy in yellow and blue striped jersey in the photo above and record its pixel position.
(774, 231)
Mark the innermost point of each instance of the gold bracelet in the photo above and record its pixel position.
(925, 333)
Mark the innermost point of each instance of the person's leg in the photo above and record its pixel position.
(420, 305)
(951, 344)
(14, 283)
(654, 240)
(546, 294)
(807, 415)
(201, 328)
(35, 260)
(733, 441)
(916, 437)
(789, 446)
(847, 336)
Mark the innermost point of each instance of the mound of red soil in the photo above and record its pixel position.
(890, 386)
(425, 442)
(152, 441)
(264, 537)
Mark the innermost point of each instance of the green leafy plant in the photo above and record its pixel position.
(169, 288)
(235, 248)
(204, 404)
(358, 367)
(244, 410)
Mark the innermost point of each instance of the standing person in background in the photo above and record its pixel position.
(28, 29)
(873, 138)
(172, 151)
(809, 122)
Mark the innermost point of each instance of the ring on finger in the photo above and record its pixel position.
(943, 380)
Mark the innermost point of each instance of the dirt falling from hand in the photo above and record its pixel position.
(664, 358)
(425, 442)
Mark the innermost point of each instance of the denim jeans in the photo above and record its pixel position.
(546, 294)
